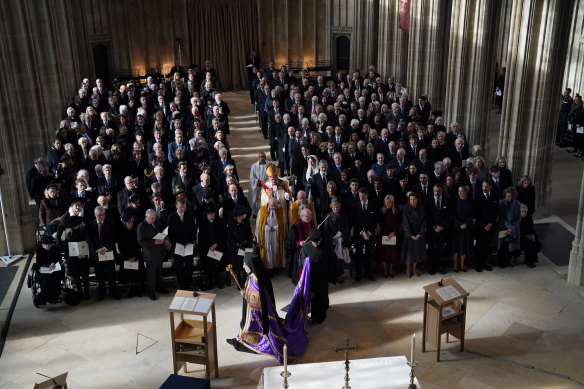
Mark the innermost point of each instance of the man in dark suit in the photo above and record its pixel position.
(202, 188)
(299, 163)
(425, 108)
(182, 229)
(164, 185)
(377, 193)
(452, 135)
(423, 164)
(124, 195)
(351, 198)
(213, 236)
(107, 182)
(423, 187)
(399, 163)
(496, 188)
(485, 226)
(318, 189)
(437, 176)
(234, 199)
(101, 235)
(153, 251)
(473, 184)
(364, 219)
(457, 154)
(32, 172)
(182, 178)
(207, 68)
(438, 220)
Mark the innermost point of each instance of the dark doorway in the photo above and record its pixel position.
(343, 53)
(101, 63)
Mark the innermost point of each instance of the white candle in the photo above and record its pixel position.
(285, 360)
(413, 345)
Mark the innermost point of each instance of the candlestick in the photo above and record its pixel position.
(285, 359)
(413, 346)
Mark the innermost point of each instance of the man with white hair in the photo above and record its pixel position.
(270, 231)
(223, 107)
(302, 202)
(153, 251)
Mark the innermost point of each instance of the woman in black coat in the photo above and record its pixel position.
(528, 240)
(240, 237)
(526, 193)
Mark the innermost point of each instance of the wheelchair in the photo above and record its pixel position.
(57, 289)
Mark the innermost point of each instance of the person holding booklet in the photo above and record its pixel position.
(49, 257)
(71, 238)
(101, 235)
(131, 256)
(212, 245)
(182, 233)
(390, 222)
(153, 251)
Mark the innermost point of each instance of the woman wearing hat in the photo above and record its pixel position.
(130, 251)
(239, 236)
(72, 229)
(47, 255)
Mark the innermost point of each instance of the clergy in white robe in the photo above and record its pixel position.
(270, 234)
(257, 177)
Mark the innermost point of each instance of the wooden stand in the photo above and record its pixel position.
(444, 314)
(194, 340)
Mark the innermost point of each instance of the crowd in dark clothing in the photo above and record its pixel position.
(395, 170)
(129, 148)
(391, 165)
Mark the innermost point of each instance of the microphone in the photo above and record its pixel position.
(57, 386)
(440, 283)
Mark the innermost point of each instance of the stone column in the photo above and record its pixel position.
(38, 61)
(576, 266)
(535, 63)
(470, 64)
(427, 50)
(393, 43)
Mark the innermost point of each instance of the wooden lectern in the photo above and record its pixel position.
(194, 340)
(444, 312)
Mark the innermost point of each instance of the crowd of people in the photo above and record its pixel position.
(143, 173)
(383, 178)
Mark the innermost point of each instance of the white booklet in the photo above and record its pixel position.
(184, 250)
(160, 236)
(78, 248)
(203, 305)
(183, 303)
(108, 256)
(45, 270)
(386, 241)
(242, 252)
(131, 265)
(216, 255)
(447, 292)
(502, 234)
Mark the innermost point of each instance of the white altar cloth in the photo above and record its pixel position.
(371, 373)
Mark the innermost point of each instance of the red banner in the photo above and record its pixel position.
(404, 14)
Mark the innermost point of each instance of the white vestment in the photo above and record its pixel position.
(257, 175)
(271, 240)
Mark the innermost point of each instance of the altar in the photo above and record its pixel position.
(371, 373)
